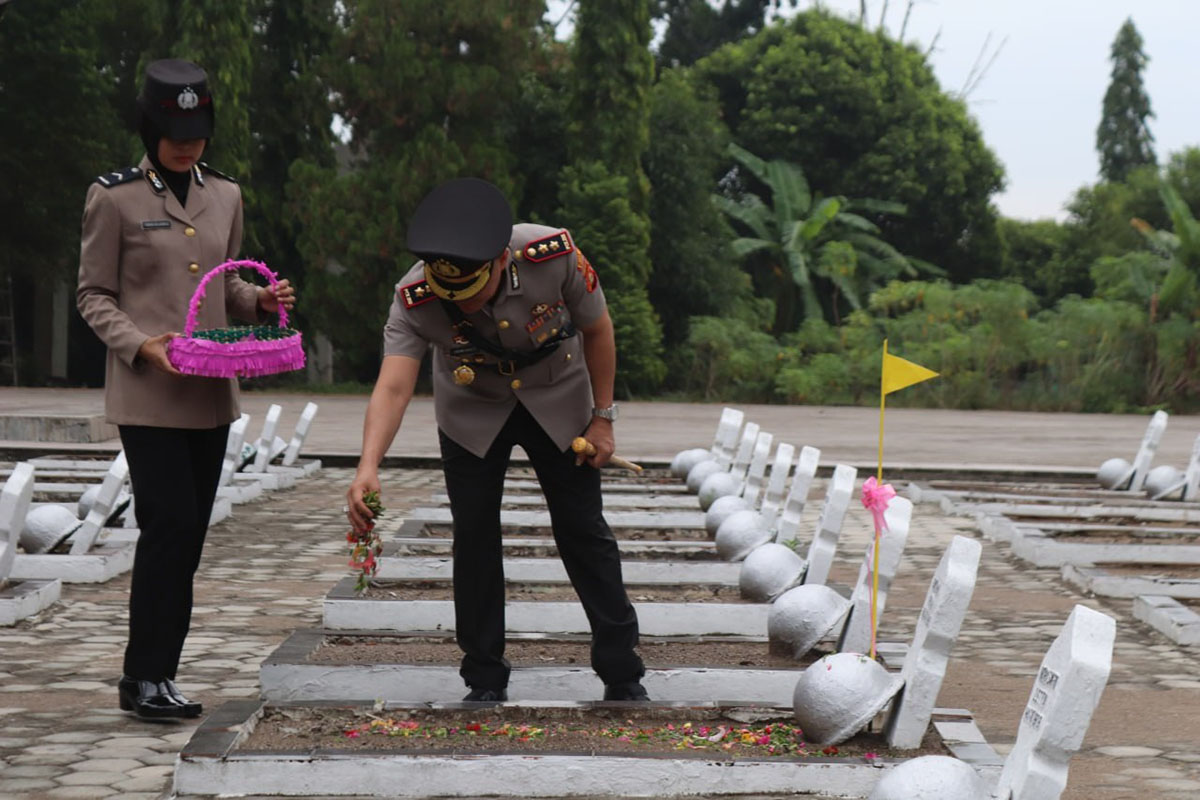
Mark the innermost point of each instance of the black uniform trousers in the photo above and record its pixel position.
(174, 472)
(585, 544)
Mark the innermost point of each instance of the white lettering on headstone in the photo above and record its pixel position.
(758, 468)
(781, 468)
(829, 526)
(14, 505)
(1145, 454)
(1065, 693)
(856, 636)
(110, 488)
(293, 449)
(727, 436)
(925, 665)
(263, 455)
(793, 509)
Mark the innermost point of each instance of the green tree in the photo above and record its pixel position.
(694, 272)
(1033, 254)
(865, 114)
(428, 92)
(289, 106)
(608, 136)
(695, 27)
(1123, 137)
(809, 252)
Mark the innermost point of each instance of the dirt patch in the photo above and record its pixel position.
(650, 731)
(1153, 571)
(444, 531)
(556, 592)
(551, 652)
(1112, 536)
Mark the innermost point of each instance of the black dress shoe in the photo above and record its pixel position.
(478, 695)
(148, 699)
(629, 691)
(191, 708)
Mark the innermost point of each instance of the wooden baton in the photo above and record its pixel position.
(583, 447)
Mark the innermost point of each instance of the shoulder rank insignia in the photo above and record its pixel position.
(205, 167)
(111, 179)
(552, 246)
(414, 294)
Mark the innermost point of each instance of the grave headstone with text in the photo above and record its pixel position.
(773, 497)
(102, 508)
(233, 449)
(302, 425)
(1065, 693)
(829, 526)
(856, 635)
(14, 505)
(941, 619)
(1191, 476)
(757, 472)
(268, 445)
(726, 439)
(793, 509)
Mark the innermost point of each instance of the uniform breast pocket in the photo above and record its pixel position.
(546, 322)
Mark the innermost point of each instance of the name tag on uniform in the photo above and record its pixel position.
(155, 224)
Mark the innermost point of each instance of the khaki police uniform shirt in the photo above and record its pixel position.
(141, 258)
(534, 300)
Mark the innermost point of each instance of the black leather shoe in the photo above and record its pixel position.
(191, 708)
(629, 691)
(478, 695)
(148, 699)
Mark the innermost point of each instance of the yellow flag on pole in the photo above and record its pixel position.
(899, 373)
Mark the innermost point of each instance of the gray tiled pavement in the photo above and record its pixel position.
(266, 568)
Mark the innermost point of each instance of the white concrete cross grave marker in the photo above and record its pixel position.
(773, 497)
(83, 539)
(305, 422)
(1191, 476)
(793, 509)
(1065, 693)
(856, 635)
(727, 436)
(1145, 454)
(758, 468)
(937, 628)
(14, 505)
(262, 456)
(829, 526)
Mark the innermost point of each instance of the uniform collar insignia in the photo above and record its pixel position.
(197, 175)
(156, 183)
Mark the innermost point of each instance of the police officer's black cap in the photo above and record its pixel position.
(176, 99)
(457, 230)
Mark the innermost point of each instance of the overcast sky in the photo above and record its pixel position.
(1039, 103)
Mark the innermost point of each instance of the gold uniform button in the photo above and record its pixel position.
(554, 331)
(502, 324)
(516, 384)
(193, 267)
(568, 356)
(189, 231)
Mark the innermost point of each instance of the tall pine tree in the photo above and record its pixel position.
(604, 192)
(1123, 138)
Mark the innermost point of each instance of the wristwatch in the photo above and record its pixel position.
(609, 413)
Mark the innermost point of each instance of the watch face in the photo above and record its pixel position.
(609, 413)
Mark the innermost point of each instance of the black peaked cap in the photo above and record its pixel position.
(465, 221)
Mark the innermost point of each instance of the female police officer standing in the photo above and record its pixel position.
(150, 233)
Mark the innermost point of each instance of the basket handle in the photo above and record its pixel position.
(228, 266)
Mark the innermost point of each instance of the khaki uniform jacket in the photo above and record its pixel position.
(534, 301)
(141, 258)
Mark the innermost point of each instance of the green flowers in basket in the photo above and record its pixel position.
(241, 333)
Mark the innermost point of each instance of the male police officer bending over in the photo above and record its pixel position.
(523, 355)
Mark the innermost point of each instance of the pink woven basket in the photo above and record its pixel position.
(240, 351)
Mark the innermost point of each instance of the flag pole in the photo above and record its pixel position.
(878, 479)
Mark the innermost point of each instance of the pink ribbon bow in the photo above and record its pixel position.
(875, 498)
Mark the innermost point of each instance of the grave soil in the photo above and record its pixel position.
(440, 547)
(665, 732)
(1172, 571)
(1107, 523)
(440, 650)
(556, 592)
(1113, 536)
(444, 531)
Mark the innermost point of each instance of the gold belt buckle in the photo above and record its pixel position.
(500, 367)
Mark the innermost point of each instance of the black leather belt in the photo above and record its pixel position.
(508, 361)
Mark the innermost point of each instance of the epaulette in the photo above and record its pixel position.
(111, 179)
(207, 168)
(414, 294)
(553, 246)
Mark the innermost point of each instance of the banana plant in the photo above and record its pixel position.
(820, 245)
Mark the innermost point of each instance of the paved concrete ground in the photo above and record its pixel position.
(267, 567)
(659, 430)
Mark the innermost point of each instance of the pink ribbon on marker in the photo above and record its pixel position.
(875, 498)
